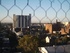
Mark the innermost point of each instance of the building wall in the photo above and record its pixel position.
(21, 21)
(63, 30)
(48, 27)
(67, 28)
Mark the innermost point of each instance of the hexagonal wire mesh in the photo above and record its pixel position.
(42, 11)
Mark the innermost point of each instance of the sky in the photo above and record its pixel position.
(43, 11)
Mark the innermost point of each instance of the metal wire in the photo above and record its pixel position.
(40, 6)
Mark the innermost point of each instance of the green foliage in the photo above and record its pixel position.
(5, 32)
(61, 40)
(64, 39)
(13, 39)
(29, 43)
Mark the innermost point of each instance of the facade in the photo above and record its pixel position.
(48, 27)
(66, 28)
(63, 30)
(21, 21)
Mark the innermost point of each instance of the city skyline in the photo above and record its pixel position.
(43, 11)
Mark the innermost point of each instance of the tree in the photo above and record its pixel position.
(29, 44)
(13, 39)
(17, 29)
(5, 32)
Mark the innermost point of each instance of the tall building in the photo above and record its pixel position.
(21, 21)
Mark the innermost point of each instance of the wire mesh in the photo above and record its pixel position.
(42, 11)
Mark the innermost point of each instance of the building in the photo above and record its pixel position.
(66, 28)
(48, 27)
(63, 28)
(21, 21)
